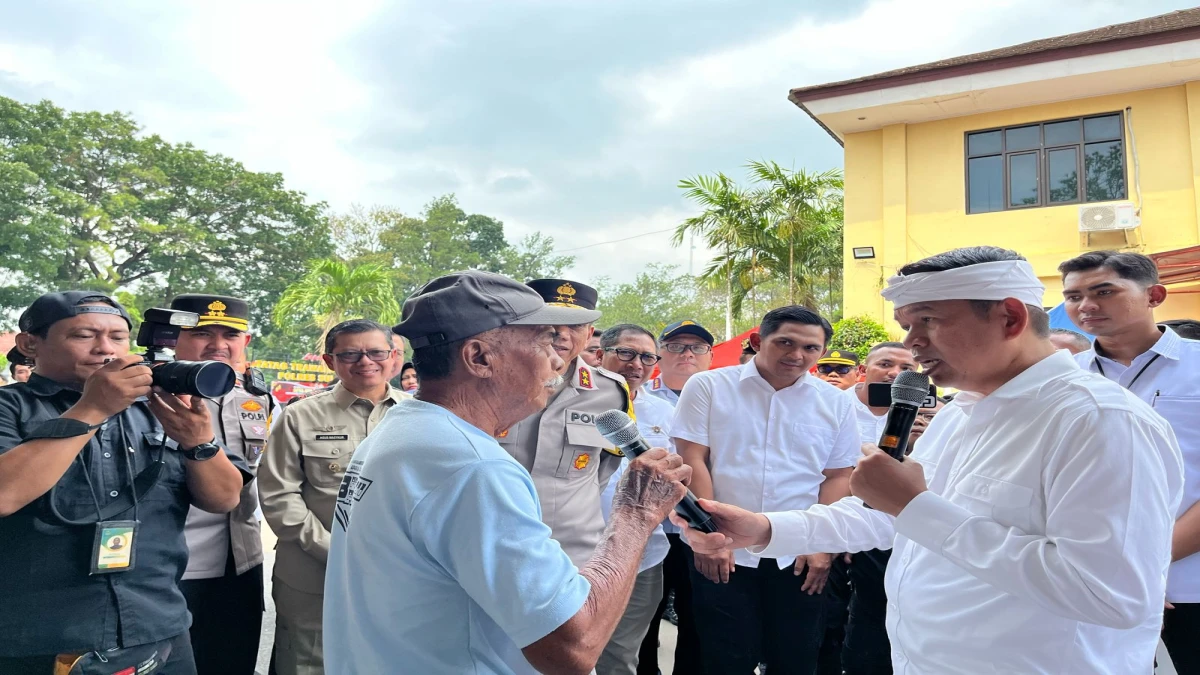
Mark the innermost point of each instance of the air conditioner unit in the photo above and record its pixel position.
(1112, 217)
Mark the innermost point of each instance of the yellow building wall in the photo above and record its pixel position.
(906, 195)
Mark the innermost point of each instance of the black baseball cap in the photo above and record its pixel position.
(458, 305)
(686, 327)
(54, 307)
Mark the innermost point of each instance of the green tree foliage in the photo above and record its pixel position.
(332, 292)
(87, 201)
(857, 334)
(443, 239)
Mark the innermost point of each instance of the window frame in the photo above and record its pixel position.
(1043, 164)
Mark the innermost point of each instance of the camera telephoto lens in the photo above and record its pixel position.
(210, 379)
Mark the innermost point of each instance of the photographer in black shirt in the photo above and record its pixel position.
(98, 468)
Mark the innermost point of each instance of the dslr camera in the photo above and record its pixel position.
(158, 335)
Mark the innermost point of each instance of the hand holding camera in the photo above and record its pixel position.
(115, 386)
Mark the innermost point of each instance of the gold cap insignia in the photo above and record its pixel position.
(687, 323)
(835, 355)
(566, 293)
(216, 308)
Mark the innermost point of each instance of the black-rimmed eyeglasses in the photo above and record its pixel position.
(681, 347)
(647, 358)
(355, 357)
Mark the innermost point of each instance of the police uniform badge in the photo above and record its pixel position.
(585, 379)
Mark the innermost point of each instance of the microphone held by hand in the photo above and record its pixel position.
(620, 430)
(908, 392)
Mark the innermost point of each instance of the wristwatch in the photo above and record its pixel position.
(202, 452)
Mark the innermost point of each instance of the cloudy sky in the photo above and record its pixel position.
(573, 118)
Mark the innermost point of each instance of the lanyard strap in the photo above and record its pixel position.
(1100, 367)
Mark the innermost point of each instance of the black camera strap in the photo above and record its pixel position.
(127, 496)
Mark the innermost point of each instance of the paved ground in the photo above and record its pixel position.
(666, 634)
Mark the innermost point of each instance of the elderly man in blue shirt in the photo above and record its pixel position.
(439, 560)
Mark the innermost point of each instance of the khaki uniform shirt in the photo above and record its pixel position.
(307, 454)
(569, 460)
(240, 423)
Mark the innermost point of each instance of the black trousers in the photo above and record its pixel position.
(837, 613)
(867, 650)
(1181, 635)
(760, 616)
(676, 577)
(227, 617)
(178, 663)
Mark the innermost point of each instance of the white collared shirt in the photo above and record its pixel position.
(657, 388)
(1170, 383)
(653, 417)
(870, 425)
(767, 448)
(1043, 542)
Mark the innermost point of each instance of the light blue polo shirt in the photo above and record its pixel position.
(439, 561)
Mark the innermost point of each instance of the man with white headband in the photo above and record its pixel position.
(1031, 527)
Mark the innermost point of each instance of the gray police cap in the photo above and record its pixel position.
(458, 305)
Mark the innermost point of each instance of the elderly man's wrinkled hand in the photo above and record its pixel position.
(653, 484)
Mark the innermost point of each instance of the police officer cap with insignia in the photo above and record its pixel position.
(564, 293)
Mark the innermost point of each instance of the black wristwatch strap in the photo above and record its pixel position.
(60, 427)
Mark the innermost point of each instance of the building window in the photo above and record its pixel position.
(1046, 164)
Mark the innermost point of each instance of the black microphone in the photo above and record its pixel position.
(908, 392)
(621, 431)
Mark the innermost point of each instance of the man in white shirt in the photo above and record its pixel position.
(766, 435)
(1112, 296)
(884, 362)
(629, 351)
(1032, 526)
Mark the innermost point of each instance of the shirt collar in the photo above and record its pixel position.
(44, 386)
(346, 398)
(749, 371)
(1168, 345)
(1031, 379)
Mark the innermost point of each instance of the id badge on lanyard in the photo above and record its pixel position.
(113, 547)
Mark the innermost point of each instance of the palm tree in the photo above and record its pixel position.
(726, 223)
(802, 203)
(332, 292)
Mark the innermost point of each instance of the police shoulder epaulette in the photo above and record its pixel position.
(608, 373)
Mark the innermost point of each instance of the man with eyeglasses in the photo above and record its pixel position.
(629, 351)
(839, 368)
(559, 446)
(686, 349)
(308, 451)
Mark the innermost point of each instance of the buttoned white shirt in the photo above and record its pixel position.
(1170, 383)
(870, 425)
(653, 418)
(767, 448)
(1042, 543)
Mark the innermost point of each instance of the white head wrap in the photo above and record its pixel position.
(984, 281)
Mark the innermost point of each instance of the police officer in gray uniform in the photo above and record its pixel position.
(223, 582)
(569, 460)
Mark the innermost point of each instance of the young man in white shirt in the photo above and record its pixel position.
(629, 351)
(1112, 296)
(884, 362)
(1032, 524)
(766, 435)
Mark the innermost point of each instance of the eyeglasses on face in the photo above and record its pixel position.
(355, 357)
(624, 354)
(827, 368)
(681, 347)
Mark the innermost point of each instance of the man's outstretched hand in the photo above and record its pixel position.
(736, 528)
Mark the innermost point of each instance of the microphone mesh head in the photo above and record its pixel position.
(617, 427)
(910, 387)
